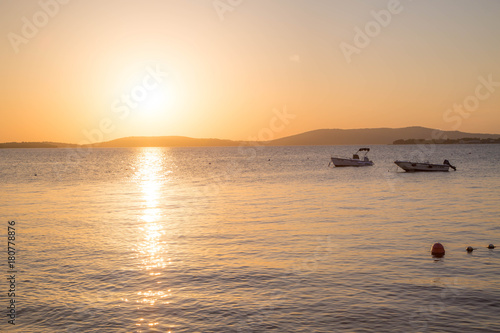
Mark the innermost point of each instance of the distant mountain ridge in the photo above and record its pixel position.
(37, 145)
(365, 136)
(372, 136)
(166, 141)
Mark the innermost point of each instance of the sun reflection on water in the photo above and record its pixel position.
(151, 248)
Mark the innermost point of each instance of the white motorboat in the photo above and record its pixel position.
(417, 166)
(355, 161)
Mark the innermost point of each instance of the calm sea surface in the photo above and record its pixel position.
(250, 240)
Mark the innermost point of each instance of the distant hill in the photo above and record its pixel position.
(364, 136)
(447, 141)
(370, 136)
(37, 145)
(165, 141)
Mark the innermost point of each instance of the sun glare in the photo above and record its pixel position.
(158, 101)
(149, 105)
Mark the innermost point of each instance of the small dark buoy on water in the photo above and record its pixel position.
(35, 174)
(437, 250)
(491, 246)
(469, 249)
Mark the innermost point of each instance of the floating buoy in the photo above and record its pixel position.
(437, 250)
(35, 174)
(491, 246)
(469, 249)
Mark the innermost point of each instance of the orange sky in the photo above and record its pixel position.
(99, 70)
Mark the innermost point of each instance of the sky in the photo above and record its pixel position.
(82, 71)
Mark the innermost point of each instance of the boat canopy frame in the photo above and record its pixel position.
(355, 156)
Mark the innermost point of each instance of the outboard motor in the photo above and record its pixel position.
(448, 163)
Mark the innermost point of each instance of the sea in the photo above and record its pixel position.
(248, 239)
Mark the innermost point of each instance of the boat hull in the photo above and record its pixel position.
(422, 167)
(347, 162)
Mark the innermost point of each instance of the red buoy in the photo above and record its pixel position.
(437, 250)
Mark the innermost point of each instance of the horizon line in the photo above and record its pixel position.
(243, 141)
